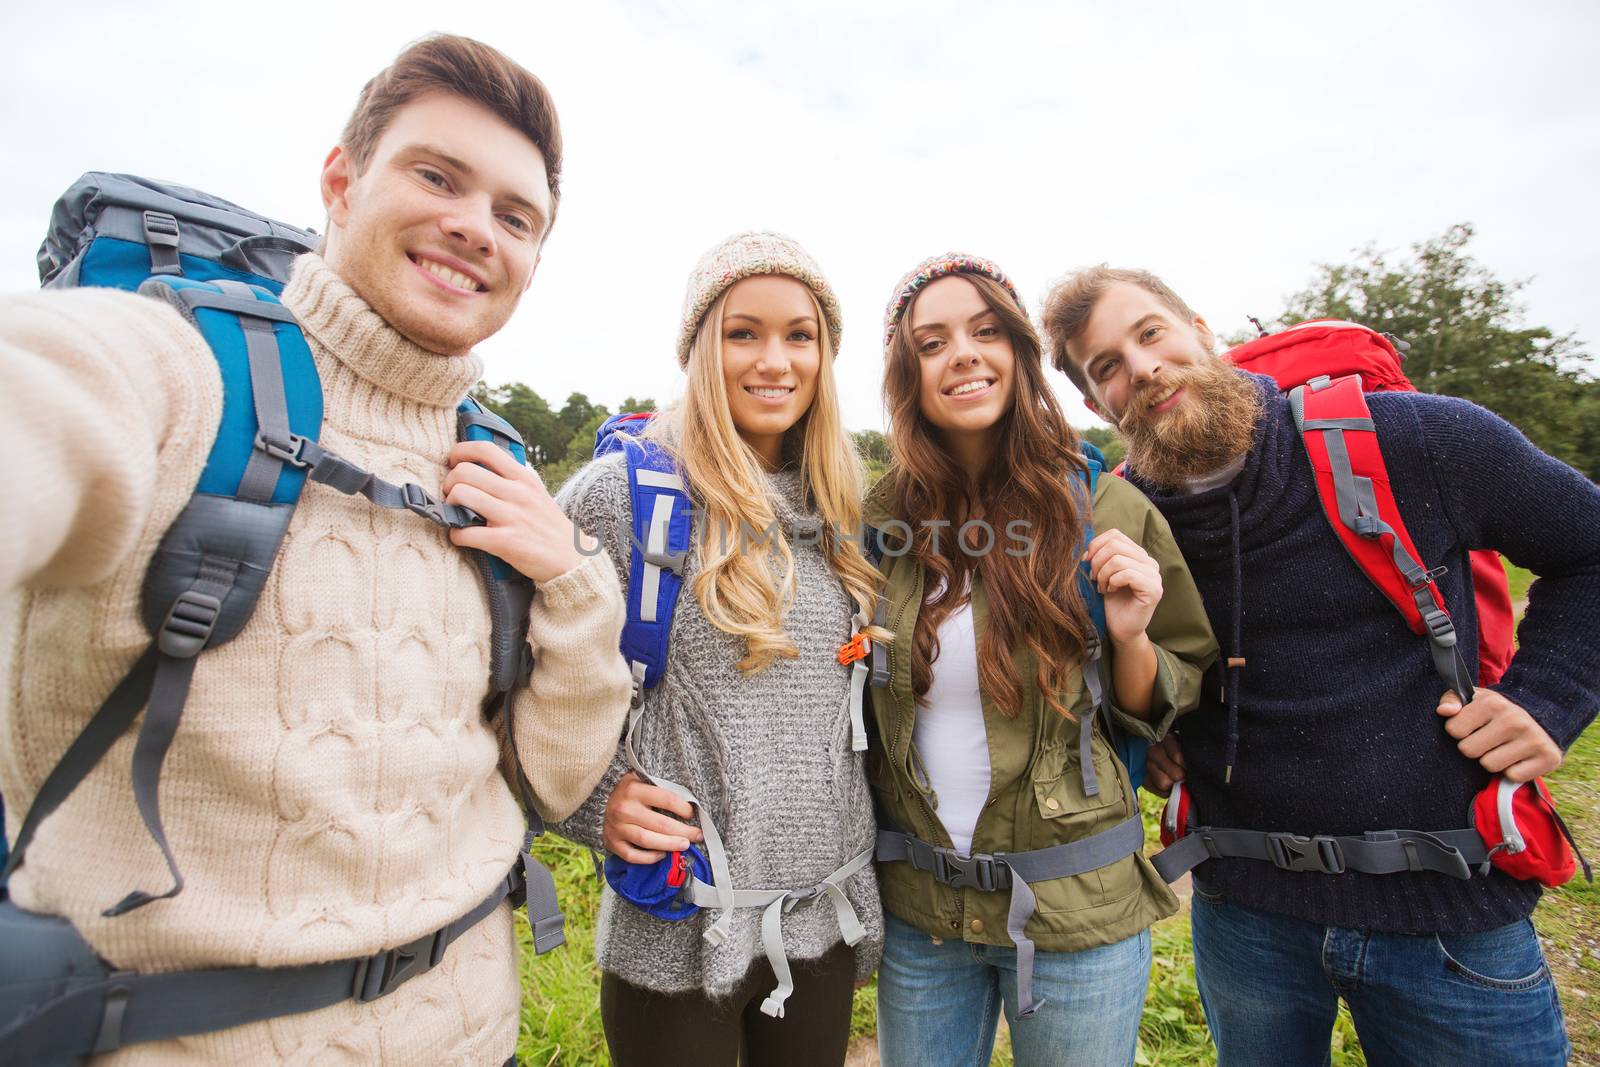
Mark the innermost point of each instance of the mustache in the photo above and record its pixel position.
(1137, 405)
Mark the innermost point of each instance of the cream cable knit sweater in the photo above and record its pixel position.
(333, 788)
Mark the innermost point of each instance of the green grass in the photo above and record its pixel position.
(561, 1011)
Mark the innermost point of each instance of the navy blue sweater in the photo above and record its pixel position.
(1337, 729)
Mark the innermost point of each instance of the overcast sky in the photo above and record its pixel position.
(1227, 146)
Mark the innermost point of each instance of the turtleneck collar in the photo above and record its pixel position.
(377, 385)
(359, 338)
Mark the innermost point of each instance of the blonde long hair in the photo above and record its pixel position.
(747, 593)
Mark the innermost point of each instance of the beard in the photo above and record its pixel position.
(1213, 426)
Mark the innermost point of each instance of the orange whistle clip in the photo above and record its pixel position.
(857, 648)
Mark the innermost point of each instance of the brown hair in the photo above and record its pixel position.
(1034, 476)
(470, 69)
(1071, 301)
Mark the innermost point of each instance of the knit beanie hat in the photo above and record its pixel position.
(932, 269)
(742, 256)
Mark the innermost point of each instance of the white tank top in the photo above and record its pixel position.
(950, 736)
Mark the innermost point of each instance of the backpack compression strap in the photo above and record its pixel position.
(1353, 484)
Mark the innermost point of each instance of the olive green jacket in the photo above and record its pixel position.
(1036, 796)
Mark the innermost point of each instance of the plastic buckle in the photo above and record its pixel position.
(291, 452)
(383, 972)
(161, 229)
(667, 561)
(1440, 629)
(974, 872)
(422, 502)
(188, 625)
(1296, 852)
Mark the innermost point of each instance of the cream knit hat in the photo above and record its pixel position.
(742, 256)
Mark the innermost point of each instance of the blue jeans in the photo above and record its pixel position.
(939, 1003)
(1271, 986)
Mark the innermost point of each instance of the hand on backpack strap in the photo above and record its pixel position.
(1129, 580)
(1500, 735)
(1163, 766)
(523, 524)
(639, 823)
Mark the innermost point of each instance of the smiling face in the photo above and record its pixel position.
(1183, 412)
(771, 356)
(440, 231)
(967, 362)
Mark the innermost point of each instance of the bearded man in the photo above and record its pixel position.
(1331, 720)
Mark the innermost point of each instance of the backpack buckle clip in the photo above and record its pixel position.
(979, 871)
(188, 624)
(1296, 852)
(1441, 630)
(667, 561)
(383, 972)
(291, 451)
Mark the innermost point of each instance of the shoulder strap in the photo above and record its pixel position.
(661, 532)
(1352, 482)
(1129, 749)
(204, 579)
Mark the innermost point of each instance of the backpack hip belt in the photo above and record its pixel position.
(68, 1003)
(993, 873)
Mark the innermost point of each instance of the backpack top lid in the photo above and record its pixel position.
(1329, 347)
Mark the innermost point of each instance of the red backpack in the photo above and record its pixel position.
(1326, 366)
(1334, 348)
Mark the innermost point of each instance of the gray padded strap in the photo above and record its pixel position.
(267, 391)
(100, 1016)
(1448, 852)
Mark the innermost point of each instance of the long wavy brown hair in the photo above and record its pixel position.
(1034, 477)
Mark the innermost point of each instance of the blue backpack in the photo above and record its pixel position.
(223, 268)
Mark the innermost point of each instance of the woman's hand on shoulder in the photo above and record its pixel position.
(1129, 581)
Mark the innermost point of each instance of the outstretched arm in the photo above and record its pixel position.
(105, 399)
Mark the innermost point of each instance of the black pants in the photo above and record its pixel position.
(649, 1029)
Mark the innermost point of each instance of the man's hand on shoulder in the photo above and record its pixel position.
(524, 526)
(1500, 735)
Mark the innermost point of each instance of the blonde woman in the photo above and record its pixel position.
(745, 740)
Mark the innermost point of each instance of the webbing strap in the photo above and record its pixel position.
(109, 722)
(1014, 871)
(776, 903)
(655, 548)
(339, 473)
(124, 1008)
(1449, 852)
(860, 672)
(716, 854)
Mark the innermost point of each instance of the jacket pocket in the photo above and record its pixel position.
(1058, 786)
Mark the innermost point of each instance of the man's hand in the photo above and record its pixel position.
(524, 526)
(1163, 766)
(1129, 580)
(1500, 735)
(637, 827)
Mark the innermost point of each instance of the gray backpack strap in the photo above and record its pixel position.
(77, 1006)
(1450, 852)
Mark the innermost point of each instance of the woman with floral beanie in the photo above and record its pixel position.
(1010, 856)
(745, 744)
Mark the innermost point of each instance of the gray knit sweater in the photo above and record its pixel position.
(768, 756)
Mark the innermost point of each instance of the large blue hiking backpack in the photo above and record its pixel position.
(223, 268)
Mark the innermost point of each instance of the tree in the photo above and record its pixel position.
(1467, 338)
(1106, 440)
(531, 416)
